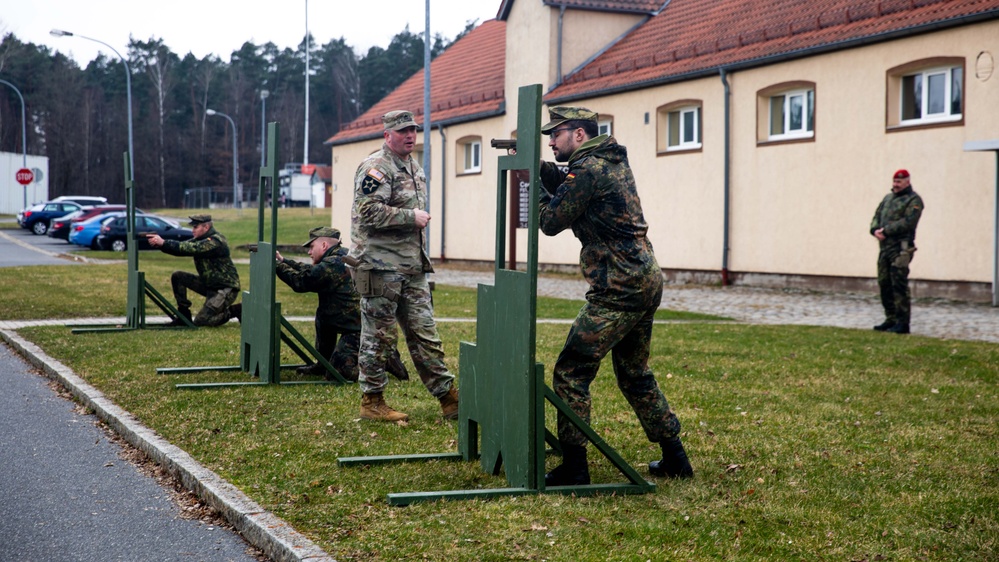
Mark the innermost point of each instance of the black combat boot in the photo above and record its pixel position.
(176, 321)
(236, 311)
(674, 463)
(884, 326)
(573, 471)
(899, 328)
(311, 369)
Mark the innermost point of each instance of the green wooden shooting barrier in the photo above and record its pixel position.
(501, 412)
(263, 328)
(138, 288)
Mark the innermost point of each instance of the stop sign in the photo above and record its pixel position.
(24, 176)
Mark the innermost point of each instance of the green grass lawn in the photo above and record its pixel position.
(808, 443)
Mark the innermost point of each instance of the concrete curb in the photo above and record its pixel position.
(259, 527)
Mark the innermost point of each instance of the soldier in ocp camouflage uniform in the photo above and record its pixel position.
(338, 317)
(598, 200)
(217, 279)
(894, 225)
(387, 226)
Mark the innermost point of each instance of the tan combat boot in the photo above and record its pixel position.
(449, 404)
(373, 407)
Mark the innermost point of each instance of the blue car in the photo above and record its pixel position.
(85, 233)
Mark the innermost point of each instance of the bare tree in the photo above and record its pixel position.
(156, 61)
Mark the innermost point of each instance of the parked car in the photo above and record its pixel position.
(85, 233)
(114, 233)
(59, 227)
(37, 218)
(84, 200)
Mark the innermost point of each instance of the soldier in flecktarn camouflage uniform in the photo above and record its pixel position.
(598, 200)
(217, 279)
(894, 225)
(387, 230)
(338, 317)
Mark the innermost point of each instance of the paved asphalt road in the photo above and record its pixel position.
(68, 494)
(19, 247)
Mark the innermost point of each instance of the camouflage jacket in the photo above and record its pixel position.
(387, 191)
(211, 259)
(339, 303)
(898, 214)
(598, 199)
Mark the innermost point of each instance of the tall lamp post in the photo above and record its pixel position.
(235, 157)
(128, 88)
(24, 137)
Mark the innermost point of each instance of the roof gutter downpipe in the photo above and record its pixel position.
(443, 174)
(727, 181)
(558, 62)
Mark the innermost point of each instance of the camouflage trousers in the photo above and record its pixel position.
(215, 312)
(627, 337)
(893, 281)
(341, 351)
(404, 302)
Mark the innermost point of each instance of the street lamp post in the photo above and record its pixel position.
(24, 137)
(235, 157)
(263, 127)
(128, 88)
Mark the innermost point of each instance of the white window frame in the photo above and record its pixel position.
(605, 127)
(472, 157)
(921, 80)
(683, 143)
(808, 97)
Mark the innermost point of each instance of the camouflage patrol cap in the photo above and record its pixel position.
(399, 119)
(562, 113)
(198, 219)
(321, 232)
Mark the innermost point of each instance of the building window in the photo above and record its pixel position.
(786, 112)
(678, 126)
(792, 114)
(931, 95)
(927, 92)
(605, 126)
(470, 149)
(683, 129)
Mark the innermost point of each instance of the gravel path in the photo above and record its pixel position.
(930, 317)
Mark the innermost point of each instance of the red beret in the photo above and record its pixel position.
(901, 174)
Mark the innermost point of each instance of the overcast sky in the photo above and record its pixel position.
(222, 26)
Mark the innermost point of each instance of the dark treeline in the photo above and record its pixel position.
(78, 118)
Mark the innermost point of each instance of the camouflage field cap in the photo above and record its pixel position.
(321, 232)
(399, 119)
(562, 113)
(198, 219)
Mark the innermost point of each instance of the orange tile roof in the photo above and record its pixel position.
(467, 82)
(325, 173)
(698, 37)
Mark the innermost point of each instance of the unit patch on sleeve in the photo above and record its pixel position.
(372, 180)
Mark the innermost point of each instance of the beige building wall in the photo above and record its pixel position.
(584, 34)
(805, 208)
(800, 208)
